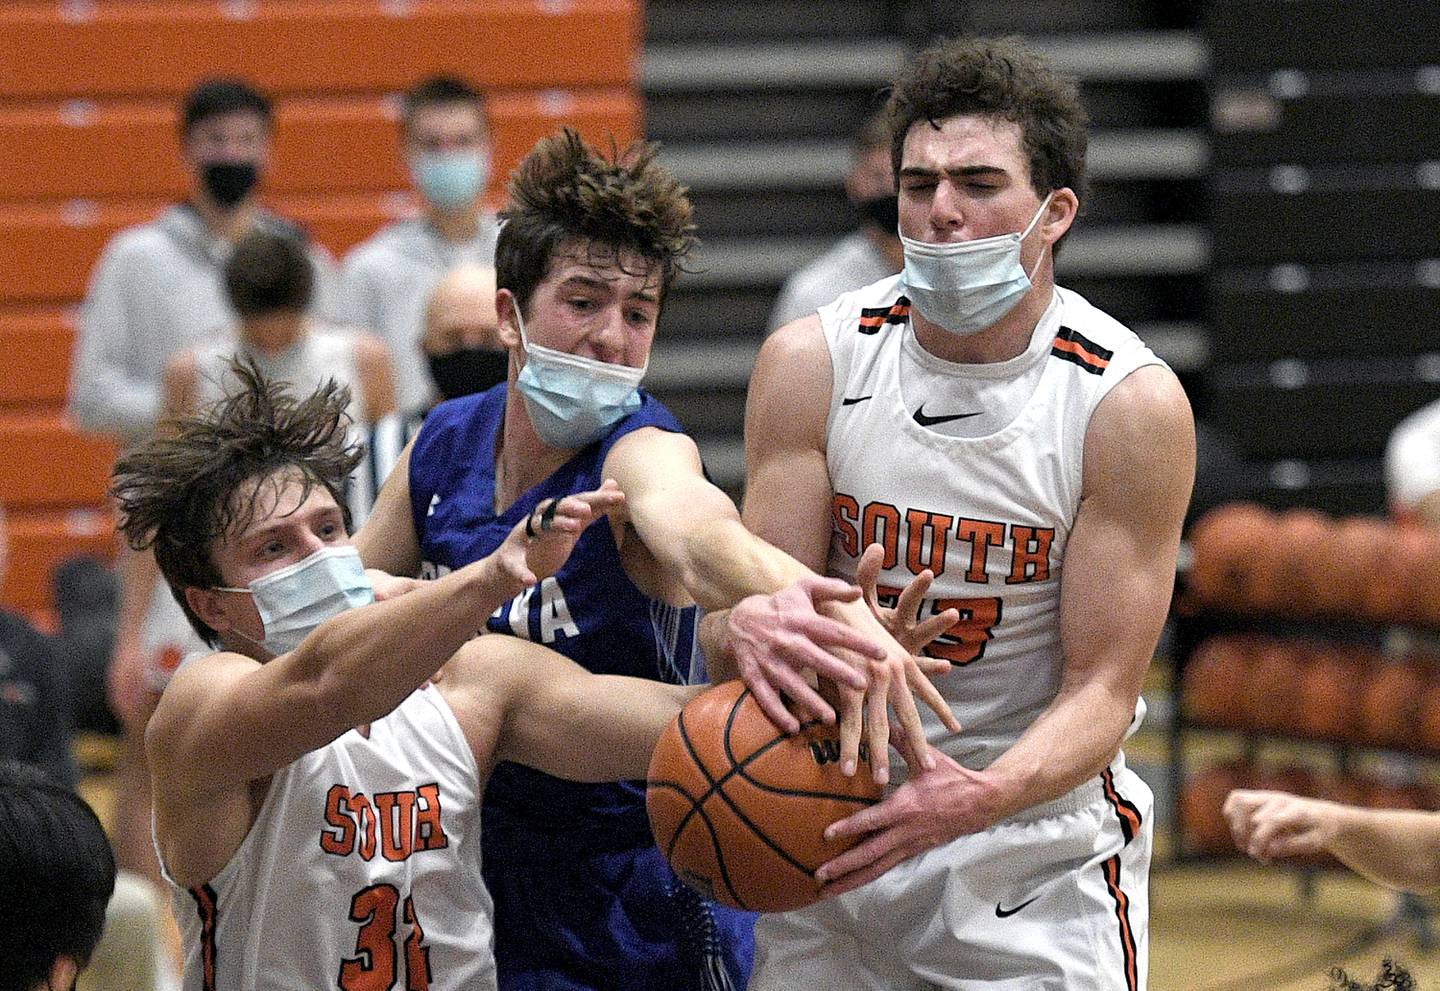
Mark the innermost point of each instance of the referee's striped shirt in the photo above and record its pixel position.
(384, 444)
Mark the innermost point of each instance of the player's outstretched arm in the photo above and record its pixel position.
(787, 504)
(352, 669)
(1399, 849)
(521, 702)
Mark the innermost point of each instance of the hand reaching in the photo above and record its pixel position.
(1271, 824)
(539, 545)
(902, 622)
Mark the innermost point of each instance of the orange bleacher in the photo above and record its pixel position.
(88, 106)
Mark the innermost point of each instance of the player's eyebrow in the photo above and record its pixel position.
(606, 285)
(958, 171)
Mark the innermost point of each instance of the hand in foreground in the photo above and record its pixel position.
(934, 806)
(778, 637)
(903, 622)
(541, 543)
(1271, 824)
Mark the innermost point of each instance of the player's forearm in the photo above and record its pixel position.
(715, 645)
(137, 574)
(723, 563)
(1399, 849)
(1071, 742)
(365, 661)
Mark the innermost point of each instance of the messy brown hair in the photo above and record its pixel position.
(998, 77)
(201, 480)
(566, 191)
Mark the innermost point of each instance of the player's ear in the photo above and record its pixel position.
(205, 603)
(1060, 214)
(508, 327)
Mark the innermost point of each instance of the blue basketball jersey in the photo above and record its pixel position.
(536, 824)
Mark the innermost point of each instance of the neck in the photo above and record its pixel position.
(889, 246)
(1000, 341)
(523, 459)
(228, 224)
(456, 226)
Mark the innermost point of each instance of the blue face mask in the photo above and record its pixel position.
(573, 400)
(450, 180)
(293, 601)
(967, 286)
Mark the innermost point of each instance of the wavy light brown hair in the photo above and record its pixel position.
(202, 481)
(999, 77)
(566, 191)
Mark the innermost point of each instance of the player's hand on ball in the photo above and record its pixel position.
(778, 639)
(903, 622)
(1271, 824)
(540, 544)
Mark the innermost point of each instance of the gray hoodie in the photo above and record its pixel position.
(157, 290)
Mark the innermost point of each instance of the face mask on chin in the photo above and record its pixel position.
(293, 601)
(573, 400)
(227, 183)
(965, 287)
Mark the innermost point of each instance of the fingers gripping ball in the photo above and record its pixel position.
(739, 808)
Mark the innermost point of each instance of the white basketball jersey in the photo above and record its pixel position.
(362, 870)
(989, 515)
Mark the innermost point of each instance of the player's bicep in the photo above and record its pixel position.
(387, 541)
(787, 489)
(215, 701)
(1120, 561)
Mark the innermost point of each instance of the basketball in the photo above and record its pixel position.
(739, 809)
(1215, 682)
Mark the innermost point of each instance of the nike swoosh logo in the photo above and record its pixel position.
(1005, 913)
(857, 399)
(930, 421)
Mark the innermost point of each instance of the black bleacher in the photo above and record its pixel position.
(1323, 199)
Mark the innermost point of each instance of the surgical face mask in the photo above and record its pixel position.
(229, 182)
(293, 601)
(573, 400)
(450, 180)
(966, 286)
(468, 370)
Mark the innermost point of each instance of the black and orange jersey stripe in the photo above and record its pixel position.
(1128, 949)
(1125, 810)
(207, 905)
(873, 319)
(1075, 347)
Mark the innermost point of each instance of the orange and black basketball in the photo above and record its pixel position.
(739, 808)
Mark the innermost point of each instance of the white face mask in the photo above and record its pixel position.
(572, 400)
(299, 597)
(966, 286)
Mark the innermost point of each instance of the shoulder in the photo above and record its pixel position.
(1142, 436)
(139, 243)
(378, 251)
(195, 683)
(452, 425)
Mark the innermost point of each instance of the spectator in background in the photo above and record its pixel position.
(387, 280)
(34, 698)
(35, 758)
(465, 355)
(1412, 468)
(56, 874)
(156, 288)
(155, 291)
(861, 257)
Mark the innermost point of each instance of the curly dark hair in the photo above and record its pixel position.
(1003, 78)
(201, 480)
(565, 190)
(1392, 977)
